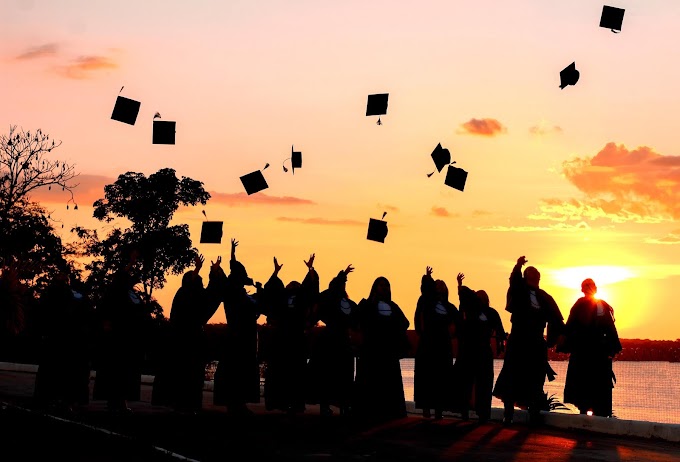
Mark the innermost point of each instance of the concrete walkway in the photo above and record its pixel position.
(156, 433)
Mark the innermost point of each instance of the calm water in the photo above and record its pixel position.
(645, 390)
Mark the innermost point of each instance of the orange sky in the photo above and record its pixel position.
(583, 180)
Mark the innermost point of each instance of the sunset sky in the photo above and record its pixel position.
(583, 180)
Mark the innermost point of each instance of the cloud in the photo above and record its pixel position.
(41, 51)
(671, 238)
(480, 213)
(482, 127)
(544, 128)
(637, 185)
(593, 209)
(321, 221)
(89, 189)
(82, 68)
(440, 212)
(243, 199)
(581, 226)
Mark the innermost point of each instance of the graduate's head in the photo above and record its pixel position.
(588, 287)
(483, 297)
(239, 274)
(293, 286)
(442, 289)
(191, 280)
(381, 290)
(532, 276)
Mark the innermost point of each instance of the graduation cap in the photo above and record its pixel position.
(377, 229)
(441, 157)
(163, 131)
(455, 178)
(125, 110)
(377, 105)
(569, 75)
(254, 181)
(612, 18)
(295, 160)
(211, 232)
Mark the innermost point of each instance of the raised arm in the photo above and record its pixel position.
(234, 244)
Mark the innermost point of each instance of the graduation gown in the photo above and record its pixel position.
(433, 378)
(288, 318)
(525, 365)
(474, 365)
(330, 371)
(592, 341)
(378, 385)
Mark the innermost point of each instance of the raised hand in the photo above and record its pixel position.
(429, 271)
(310, 263)
(460, 278)
(234, 244)
(198, 261)
(215, 265)
(522, 260)
(277, 267)
(349, 269)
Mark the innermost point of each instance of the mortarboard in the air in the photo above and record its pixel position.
(441, 157)
(377, 105)
(612, 18)
(456, 177)
(163, 131)
(569, 75)
(125, 110)
(211, 232)
(295, 160)
(377, 230)
(254, 181)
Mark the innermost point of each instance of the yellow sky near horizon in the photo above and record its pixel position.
(583, 181)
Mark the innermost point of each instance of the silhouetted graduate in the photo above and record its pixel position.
(330, 371)
(377, 105)
(288, 319)
(612, 18)
(435, 320)
(569, 75)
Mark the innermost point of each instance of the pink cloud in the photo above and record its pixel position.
(83, 67)
(243, 199)
(440, 212)
(322, 221)
(482, 127)
(41, 51)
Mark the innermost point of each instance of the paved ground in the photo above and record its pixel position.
(154, 433)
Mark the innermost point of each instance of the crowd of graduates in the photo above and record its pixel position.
(353, 365)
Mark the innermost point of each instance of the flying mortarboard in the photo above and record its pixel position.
(377, 229)
(441, 157)
(569, 75)
(254, 181)
(456, 177)
(295, 160)
(125, 110)
(211, 232)
(377, 105)
(612, 18)
(163, 131)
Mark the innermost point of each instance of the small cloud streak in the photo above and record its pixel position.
(440, 212)
(544, 128)
(42, 51)
(82, 68)
(243, 199)
(480, 213)
(321, 221)
(670, 239)
(581, 226)
(482, 127)
(389, 208)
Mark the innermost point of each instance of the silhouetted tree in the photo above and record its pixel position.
(149, 204)
(25, 166)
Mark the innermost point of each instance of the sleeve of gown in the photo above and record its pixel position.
(516, 285)
(468, 299)
(614, 341)
(555, 322)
